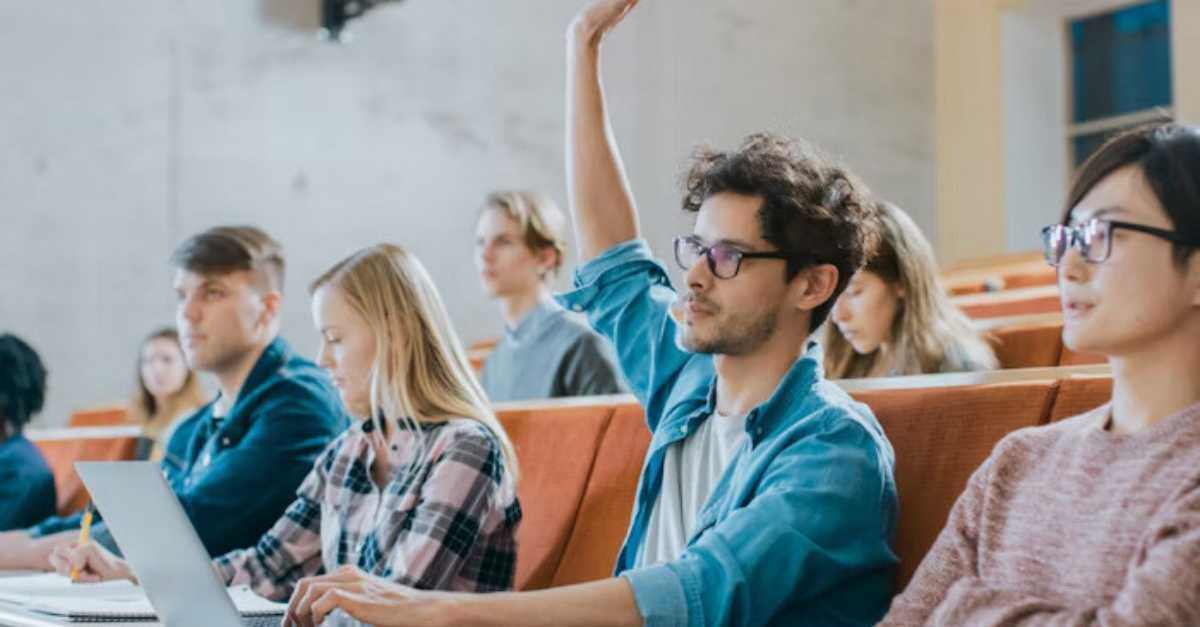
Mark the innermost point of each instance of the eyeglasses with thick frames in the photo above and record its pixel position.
(1093, 239)
(724, 260)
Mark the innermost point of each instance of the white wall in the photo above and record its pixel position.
(130, 125)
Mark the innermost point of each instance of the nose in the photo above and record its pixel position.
(1072, 267)
(841, 310)
(188, 310)
(324, 359)
(699, 278)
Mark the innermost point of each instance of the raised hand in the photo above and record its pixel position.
(598, 18)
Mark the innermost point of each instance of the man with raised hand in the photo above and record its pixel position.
(767, 496)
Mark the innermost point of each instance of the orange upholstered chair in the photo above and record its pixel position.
(556, 449)
(1029, 345)
(99, 417)
(941, 435)
(608, 503)
(1017, 302)
(1072, 358)
(1079, 394)
(62, 448)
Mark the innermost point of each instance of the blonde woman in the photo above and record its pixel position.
(421, 489)
(167, 389)
(894, 319)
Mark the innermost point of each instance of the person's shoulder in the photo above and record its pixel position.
(301, 385)
(24, 457)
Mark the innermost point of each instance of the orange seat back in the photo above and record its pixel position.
(1077, 395)
(607, 505)
(1072, 358)
(941, 435)
(61, 453)
(995, 308)
(99, 417)
(1028, 346)
(556, 449)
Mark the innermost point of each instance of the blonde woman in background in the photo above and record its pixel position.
(167, 389)
(421, 489)
(895, 319)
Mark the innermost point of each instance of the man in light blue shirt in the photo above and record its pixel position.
(767, 497)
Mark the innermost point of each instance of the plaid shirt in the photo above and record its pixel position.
(450, 526)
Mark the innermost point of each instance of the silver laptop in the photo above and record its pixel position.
(159, 542)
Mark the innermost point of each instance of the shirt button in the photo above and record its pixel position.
(683, 430)
(577, 307)
(225, 442)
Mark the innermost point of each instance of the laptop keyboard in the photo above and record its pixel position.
(262, 621)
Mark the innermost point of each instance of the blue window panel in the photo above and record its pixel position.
(1121, 61)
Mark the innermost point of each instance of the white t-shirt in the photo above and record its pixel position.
(691, 470)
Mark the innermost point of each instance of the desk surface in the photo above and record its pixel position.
(11, 616)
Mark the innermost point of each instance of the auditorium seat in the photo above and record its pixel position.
(608, 503)
(1028, 345)
(63, 447)
(108, 416)
(1079, 394)
(1030, 300)
(940, 436)
(556, 449)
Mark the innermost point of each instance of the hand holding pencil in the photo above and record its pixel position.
(85, 533)
(87, 562)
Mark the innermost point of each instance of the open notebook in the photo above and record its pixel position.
(110, 601)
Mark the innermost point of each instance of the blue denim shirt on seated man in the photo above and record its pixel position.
(797, 531)
(236, 475)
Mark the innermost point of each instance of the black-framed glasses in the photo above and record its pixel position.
(1093, 239)
(724, 260)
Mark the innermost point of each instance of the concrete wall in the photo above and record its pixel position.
(130, 125)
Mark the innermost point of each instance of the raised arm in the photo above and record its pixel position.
(599, 193)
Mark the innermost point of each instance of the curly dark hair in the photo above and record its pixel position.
(813, 208)
(22, 382)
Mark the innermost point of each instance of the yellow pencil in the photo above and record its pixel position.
(85, 533)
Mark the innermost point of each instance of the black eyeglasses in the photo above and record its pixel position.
(1093, 239)
(724, 260)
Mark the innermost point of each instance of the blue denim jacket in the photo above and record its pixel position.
(236, 476)
(798, 529)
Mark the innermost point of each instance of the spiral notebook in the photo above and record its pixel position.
(111, 601)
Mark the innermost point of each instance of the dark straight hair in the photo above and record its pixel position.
(1168, 156)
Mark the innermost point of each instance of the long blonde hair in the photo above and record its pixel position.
(421, 372)
(928, 328)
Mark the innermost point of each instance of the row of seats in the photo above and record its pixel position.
(580, 458)
(1033, 341)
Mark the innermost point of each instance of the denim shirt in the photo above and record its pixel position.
(235, 476)
(798, 529)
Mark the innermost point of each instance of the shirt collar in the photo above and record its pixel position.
(544, 309)
(792, 388)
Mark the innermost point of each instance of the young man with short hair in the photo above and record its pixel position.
(546, 352)
(767, 497)
(236, 463)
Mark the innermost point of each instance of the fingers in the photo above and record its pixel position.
(308, 592)
(68, 558)
(361, 607)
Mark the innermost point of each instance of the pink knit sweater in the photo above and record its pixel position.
(1069, 524)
